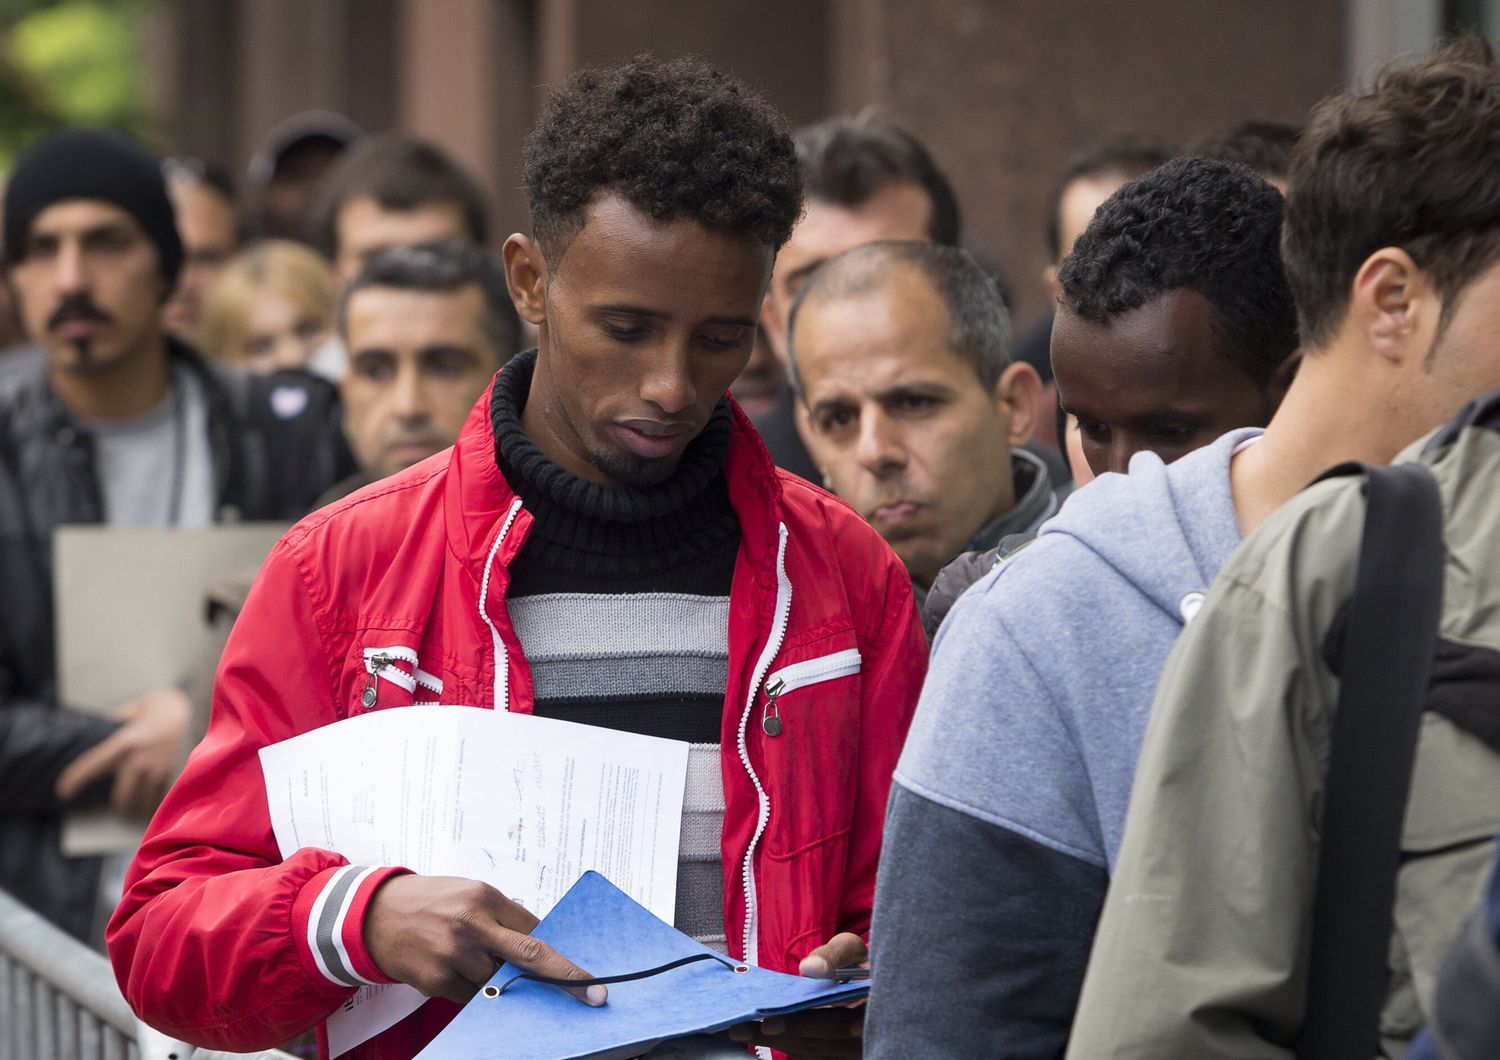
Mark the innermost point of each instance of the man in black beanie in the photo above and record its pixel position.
(121, 425)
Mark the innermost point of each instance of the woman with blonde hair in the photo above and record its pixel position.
(270, 308)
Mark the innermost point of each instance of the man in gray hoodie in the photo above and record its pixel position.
(1007, 816)
(1010, 795)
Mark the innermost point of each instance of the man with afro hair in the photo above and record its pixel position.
(1173, 328)
(607, 544)
(1174, 320)
(1163, 339)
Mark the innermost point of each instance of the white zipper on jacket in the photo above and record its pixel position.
(811, 671)
(800, 675)
(762, 665)
(502, 664)
(378, 664)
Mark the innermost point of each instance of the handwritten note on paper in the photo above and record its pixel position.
(525, 804)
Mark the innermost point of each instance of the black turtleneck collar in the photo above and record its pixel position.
(578, 523)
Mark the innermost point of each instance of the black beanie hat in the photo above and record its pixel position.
(92, 164)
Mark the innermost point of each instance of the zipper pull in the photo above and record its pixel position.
(770, 719)
(372, 693)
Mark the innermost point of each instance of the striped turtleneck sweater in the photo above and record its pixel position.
(620, 599)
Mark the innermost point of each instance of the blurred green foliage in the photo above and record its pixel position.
(66, 62)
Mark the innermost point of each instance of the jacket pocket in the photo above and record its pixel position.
(788, 679)
(807, 745)
(397, 665)
(810, 889)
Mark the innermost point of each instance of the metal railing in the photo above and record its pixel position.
(59, 1000)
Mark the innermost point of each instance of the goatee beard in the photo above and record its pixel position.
(634, 471)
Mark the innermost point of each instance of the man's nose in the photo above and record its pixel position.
(668, 383)
(878, 447)
(1121, 448)
(70, 269)
(290, 352)
(409, 394)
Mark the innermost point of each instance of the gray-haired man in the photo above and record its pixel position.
(902, 353)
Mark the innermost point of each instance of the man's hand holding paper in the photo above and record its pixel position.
(836, 1032)
(446, 936)
(666, 987)
(500, 812)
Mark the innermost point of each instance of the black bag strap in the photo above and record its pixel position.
(1388, 664)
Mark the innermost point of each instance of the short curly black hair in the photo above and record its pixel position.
(1196, 224)
(1125, 156)
(675, 138)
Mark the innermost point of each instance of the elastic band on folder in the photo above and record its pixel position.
(606, 980)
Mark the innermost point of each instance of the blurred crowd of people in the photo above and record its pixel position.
(1101, 526)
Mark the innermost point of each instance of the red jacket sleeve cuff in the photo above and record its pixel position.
(328, 922)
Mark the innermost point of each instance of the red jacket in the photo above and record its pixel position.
(216, 941)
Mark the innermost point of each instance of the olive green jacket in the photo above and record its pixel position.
(1202, 950)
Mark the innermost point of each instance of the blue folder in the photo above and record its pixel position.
(598, 927)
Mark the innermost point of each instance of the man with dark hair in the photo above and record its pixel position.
(427, 327)
(1263, 145)
(392, 190)
(863, 180)
(845, 163)
(1164, 340)
(122, 425)
(604, 483)
(1392, 249)
(288, 170)
(1011, 791)
(1091, 177)
(208, 225)
(901, 353)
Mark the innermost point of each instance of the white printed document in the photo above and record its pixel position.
(525, 804)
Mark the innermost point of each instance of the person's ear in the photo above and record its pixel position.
(1281, 379)
(802, 418)
(1018, 393)
(1054, 289)
(1394, 306)
(526, 277)
(773, 327)
(166, 288)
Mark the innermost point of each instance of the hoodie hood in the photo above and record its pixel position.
(1048, 664)
(1164, 528)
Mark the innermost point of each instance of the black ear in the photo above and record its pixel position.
(1281, 379)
